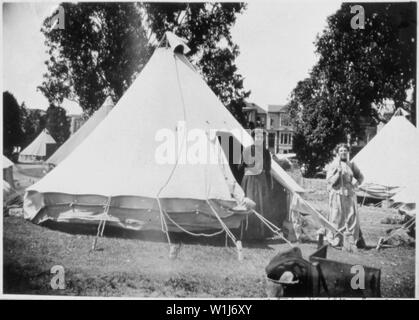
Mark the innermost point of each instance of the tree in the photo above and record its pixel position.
(58, 124)
(12, 124)
(33, 123)
(356, 68)
(374, 63)
(98, 53)
(104, 46)
(318, 124)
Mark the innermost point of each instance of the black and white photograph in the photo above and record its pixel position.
(209, 150)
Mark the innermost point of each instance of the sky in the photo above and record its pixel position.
(275, 39)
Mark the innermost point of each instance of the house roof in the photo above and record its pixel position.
(253, 106)
(277, 108)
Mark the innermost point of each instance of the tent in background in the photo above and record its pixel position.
(116, 174)
(389, 162)
(40, 149)
(81, 134)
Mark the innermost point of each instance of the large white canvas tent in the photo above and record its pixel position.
(125, 172)
(389, 162)
(38, 149)
(66, 148)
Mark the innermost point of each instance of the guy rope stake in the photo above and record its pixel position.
(101, 226)
(239, 250)
(405, 227)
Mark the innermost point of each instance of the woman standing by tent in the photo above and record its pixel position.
(257, 183)
(342, 198)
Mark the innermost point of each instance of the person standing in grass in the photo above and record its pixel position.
(343, 177)
(257, 183)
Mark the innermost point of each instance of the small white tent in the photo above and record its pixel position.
(389, 162)
(80, 135)
(125, 172)
(38, 149)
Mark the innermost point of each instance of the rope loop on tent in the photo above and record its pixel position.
(227, 230)
(192, 233)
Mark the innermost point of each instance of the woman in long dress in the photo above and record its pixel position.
(257, 184)
(343, 177)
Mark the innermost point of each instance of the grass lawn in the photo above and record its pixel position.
(140, 267)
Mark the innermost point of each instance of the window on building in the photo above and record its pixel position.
(286, 139)
(284, 120)
(271, 140)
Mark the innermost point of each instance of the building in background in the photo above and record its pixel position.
(255, 115)
(276, 121)
(76, 121)
(280, 129)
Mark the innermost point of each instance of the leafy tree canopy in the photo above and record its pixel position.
(57, 123)
(13, 134)
(104, 46)
(356, 68)
(97, 53)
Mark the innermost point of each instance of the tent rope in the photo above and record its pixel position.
(207, 184)
(326, 220)
(192, 233)
(236, 242)
(102, 222)
(272, 227)
(180, 89)
(162, 218)
(227, 230)
(163, 222)
(405, 226)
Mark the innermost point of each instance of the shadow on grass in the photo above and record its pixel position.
(158, 236)
(24, 280)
